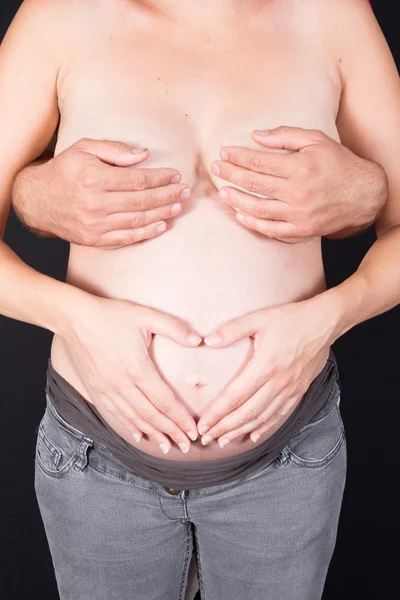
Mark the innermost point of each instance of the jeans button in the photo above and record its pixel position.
(172, 491)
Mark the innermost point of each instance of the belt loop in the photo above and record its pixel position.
(82, 459)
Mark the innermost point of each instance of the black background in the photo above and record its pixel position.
(365, 563)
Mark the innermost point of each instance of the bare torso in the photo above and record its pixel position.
(183, 92)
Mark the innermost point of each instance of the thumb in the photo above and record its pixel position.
(234, 330)
(113, 153)
(171, 328)
(289, 138)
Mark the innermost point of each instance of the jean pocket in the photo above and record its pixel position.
(318, 442)
(59, 446)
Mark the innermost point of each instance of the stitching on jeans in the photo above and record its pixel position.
(161, 497)
(186, 563)
(322, 418)
(316, 463)
(56, 472)
(143, 487)
(51, 448)
(199, 567)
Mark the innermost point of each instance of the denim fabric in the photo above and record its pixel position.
(114, 535)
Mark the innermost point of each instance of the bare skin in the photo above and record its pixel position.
(334, 193)
(207, 268)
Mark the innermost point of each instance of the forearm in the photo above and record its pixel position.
(371, 200)
(35, 298)
(25, 196)
(372, 290)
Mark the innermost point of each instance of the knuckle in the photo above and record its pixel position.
(249, 415)
(262, 419)
(149, 416)
(303, 194)
(140, 181)
(137, 220)
(261, 211)
(116, 146)
(164, 407)
(253, 183)
(88, 178)
(145, 201)
(304, 170)
(283, 129)
(126, 240)
(256, 161)
(82, 142)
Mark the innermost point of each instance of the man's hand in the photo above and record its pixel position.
(291, 343)
(108, 345)
(318, 189)
(86, 195)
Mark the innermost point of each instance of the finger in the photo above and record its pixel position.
(122, 179)
(169, 327)
(269, 409)
(113, 153)
(262, 209)
(123, 221)
(131, 429)
(153, 421)
(148, 199)
(236, 393)
(246, 413)
(126, 415)
(271, 420)
(166, 413)
(234, 330)
(113, 240)
(289, 138)
(260, 161)
(269, 228)
(257, 183)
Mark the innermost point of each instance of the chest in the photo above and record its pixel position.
(185, 96)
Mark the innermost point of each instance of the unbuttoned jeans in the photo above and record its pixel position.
(114, 535)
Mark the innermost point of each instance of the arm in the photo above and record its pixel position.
(370, 189)
(104, 336)
(369, 124)
(28, 120)
(23, 204)
(282, 368)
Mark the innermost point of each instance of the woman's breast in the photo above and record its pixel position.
(206, 269)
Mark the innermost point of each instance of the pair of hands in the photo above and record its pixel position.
(86, 196)
(109, 349)
(93, 200)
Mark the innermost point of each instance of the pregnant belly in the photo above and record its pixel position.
(206, 269)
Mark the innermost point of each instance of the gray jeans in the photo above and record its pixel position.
(114, 535)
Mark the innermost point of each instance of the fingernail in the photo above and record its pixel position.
(137, 437)
(164, 448)
(194, 338)
(223, 193)
(161, 227)
(261, 131)
(223, 443)
(192, 435)
(138, 150)
(224, 155)
(184, 447)
(175, 208)
(176, 178)
(215, 168)
(255, 437)
(214, 338)
(241, 217)
(185, 193)
(206, 440)
(204, 429)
